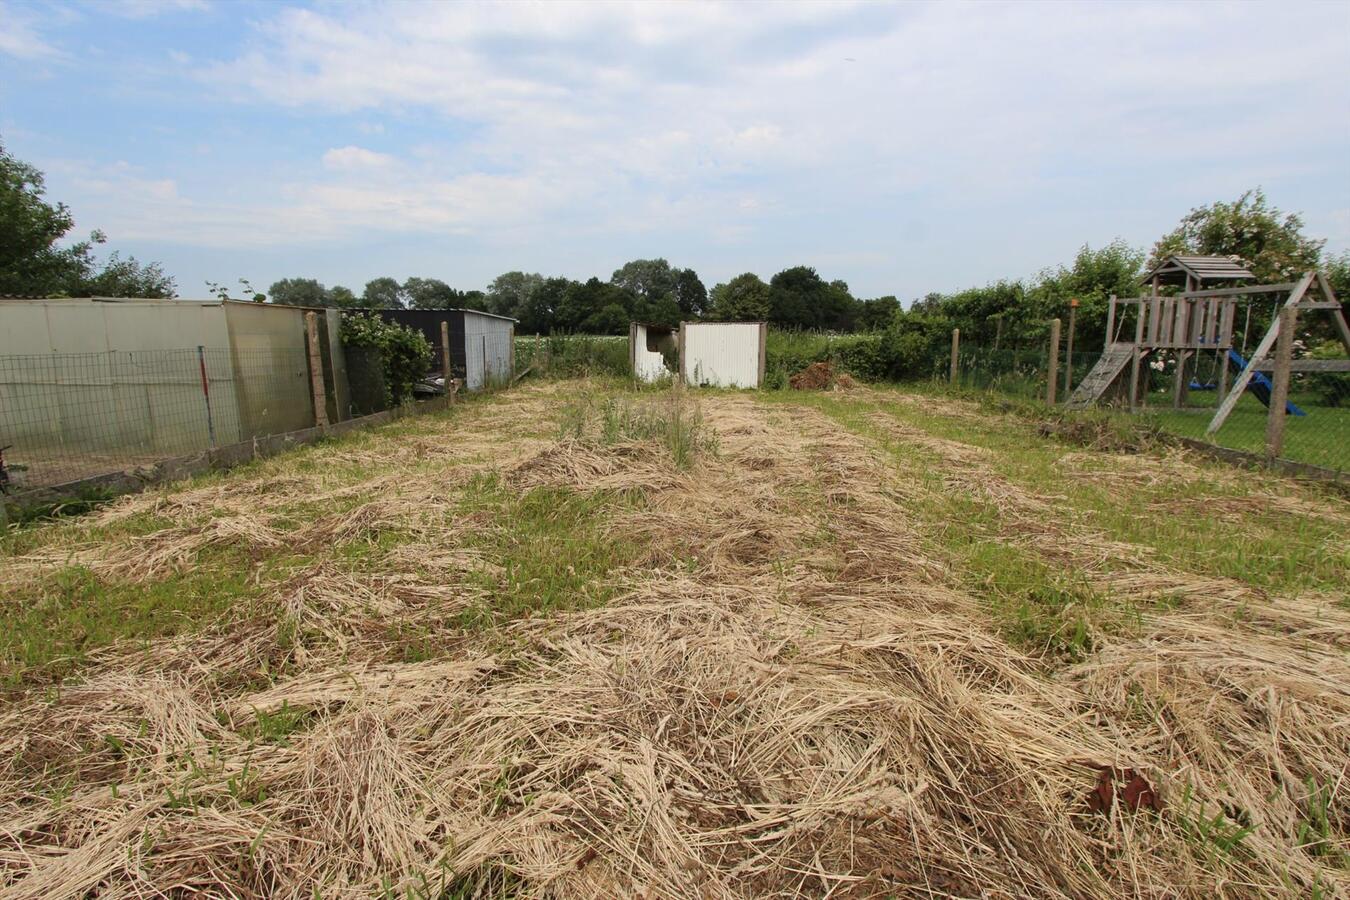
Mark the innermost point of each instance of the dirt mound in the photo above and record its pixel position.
(820, 376)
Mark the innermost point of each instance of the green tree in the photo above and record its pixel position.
(1337, 268)
(665, 311)
(1093, 278)
(800, 298)
(299, 292)
(430, 293)
(536, 313)
(31, 262)
(342, 297)
(473, 300)
(594, 307)
(744, 298)
(875, 315)
(1270, 242)
(651, 279)
(690, 294)
(383, 293)
(508, 292)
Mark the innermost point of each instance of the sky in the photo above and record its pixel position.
(902, 148)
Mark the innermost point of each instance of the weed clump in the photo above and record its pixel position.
(671, 421)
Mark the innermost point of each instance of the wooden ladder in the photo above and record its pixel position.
(1103, 375)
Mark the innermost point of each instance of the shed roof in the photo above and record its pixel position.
(1174, 269)
(479, 312)
(404, 309)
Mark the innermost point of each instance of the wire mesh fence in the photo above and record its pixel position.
(1316, 428)
(65, 417)
(68, 416)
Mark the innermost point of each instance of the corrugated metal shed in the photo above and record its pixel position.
(653, 351)
(482, 345)
(722, 354)
(1201, 269)
(489, 349)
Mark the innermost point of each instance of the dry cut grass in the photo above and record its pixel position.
(550, 647)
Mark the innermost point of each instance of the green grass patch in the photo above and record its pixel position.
(48, 628)
(1038, 603)
(549, 548)
(1190, 524)
(1321, 438)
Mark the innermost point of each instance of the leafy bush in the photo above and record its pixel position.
(403, 355)
(571, 355)
(788, 352)
(916, 343)
(1332, 388)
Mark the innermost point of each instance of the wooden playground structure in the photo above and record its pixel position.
(1200, 319)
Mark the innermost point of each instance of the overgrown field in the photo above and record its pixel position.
(574, 641)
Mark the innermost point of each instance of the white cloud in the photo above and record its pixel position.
(146, 9)
(355, 158)
(740, 122)
(19, 36)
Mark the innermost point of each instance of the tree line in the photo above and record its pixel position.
(644, 290)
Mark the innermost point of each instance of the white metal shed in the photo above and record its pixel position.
(722, 354)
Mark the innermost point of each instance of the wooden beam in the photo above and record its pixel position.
(1279, 389)
(1234, 291)
(956, 351)
(1306, 365)
(1052, 379)
(316, 370)
(1240, 385)
(1337, 315)
(1134, 360)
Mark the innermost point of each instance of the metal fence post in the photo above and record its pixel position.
(206, 395)
(1279, 387)
(316, 370)
(956, 351)
(1053, 379)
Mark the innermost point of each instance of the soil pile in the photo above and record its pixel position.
(821, 376)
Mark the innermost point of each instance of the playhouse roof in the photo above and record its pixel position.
(1174, 269)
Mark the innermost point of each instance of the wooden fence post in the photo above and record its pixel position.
(956, 352)
(1068, 349)
(1053, 379)
(316, 370)
(1136, 357)
(445, 357)
(1279, 388)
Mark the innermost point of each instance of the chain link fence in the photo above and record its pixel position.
(69, 416)
(1316, 427)
(65, 417)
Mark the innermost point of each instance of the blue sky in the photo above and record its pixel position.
(902, 148)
